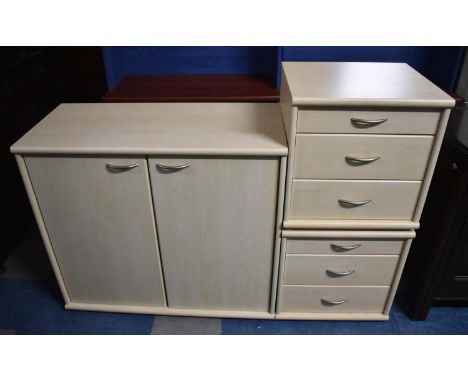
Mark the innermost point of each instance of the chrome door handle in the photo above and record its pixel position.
(360, 161)
(172, 168)
(339, 274)
(337, 247)
(363, 123)
(118, 168)
(351, 204)
(331, 302)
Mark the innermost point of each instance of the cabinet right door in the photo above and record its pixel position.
(216, 222)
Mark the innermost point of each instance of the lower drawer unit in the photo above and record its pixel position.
(333, 299)
(340, 274)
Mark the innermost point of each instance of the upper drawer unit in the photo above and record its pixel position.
(352, 121)
(392, 157)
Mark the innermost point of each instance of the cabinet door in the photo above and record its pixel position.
(101, 225)
(216, 227)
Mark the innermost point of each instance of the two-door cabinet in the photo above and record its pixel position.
(160, 208)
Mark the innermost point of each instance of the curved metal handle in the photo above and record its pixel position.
(338, 247)
(116, 168)
(339, 274)
(172, 168)
(360, 161)
(331, 302)
(351, 204)
(363, 123)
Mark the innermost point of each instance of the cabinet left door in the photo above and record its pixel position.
(99, 216)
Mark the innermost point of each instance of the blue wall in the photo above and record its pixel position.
(440, 64)
(123, 61)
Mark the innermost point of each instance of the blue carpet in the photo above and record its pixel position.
(36, 307)
(440, 321)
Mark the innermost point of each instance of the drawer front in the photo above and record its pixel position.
(340, 121)
(351, 156)
(340, 270)
(320, 199)
(338, 246)
(312, 299)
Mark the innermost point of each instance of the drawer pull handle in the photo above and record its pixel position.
(336, 302)
(339, 274)
(363, 123)
(337, 247)
(119, 168)
(360, 161)
(172, 168)
(351, 204)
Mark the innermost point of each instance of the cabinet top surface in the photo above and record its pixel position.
(158, 128)
(362, 84)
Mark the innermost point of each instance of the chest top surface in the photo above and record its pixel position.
(361, 84)
(158, 128)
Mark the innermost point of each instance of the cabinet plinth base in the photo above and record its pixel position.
(163, 311)
(333, 316)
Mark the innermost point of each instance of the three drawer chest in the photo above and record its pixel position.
(300, 210)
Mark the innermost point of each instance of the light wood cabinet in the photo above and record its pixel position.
(160, 208)
(348, 123)
(357, 278)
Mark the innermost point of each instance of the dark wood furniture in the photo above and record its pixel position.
(209, 88)
(437, 268)
(33, 81)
